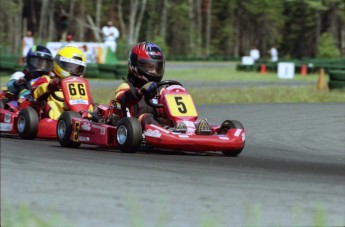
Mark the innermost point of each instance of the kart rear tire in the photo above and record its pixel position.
(64, 129)
(224, 128)
(27, 123)
(129, 134)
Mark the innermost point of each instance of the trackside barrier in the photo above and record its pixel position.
(336, 79)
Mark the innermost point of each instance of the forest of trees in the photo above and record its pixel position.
(298, 28)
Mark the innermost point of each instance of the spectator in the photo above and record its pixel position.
(27, 43)
(274, 54)
(255, 54)
(111, 34)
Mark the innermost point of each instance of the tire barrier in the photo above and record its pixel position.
(336, 79)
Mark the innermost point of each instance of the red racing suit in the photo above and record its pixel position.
(128, 96)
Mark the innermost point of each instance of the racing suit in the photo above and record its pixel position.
(41, 92)
(127, 94)
(20, 87)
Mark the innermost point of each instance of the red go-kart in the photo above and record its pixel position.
(33, 122)
(9, 110)
(116, 129)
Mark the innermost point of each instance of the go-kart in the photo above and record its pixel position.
(10, 106)
(117, 129)
(33, 122)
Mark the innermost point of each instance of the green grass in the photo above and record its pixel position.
(250, 94)
(228, 74)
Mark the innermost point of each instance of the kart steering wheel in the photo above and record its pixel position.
(61, 99)
(165, 83)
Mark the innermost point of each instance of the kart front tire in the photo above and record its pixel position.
(129, 135)
(64, 129)
(27, 123)
(224, 128)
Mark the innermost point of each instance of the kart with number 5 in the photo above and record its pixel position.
(116, 128)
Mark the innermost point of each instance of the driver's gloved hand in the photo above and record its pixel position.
(53, 85)
(149, 90)
(20, 82)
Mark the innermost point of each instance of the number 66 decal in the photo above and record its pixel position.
(77, 91)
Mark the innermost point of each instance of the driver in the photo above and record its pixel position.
(39, 62)
(69, 61)
(145, 69)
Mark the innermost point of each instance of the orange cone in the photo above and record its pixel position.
(321, 84)
(304, 71)
(263, 69)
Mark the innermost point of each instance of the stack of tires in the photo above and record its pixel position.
(336, 79)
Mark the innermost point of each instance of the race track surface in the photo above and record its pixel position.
(290, 173)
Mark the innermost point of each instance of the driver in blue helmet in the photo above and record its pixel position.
(39, 62)
(146, 64)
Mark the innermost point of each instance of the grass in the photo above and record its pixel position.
(252, 215)
(243, 94)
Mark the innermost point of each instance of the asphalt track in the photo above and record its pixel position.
(290, 173)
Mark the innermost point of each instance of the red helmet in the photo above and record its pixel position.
(146, 63)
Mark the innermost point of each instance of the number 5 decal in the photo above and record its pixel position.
(181, 106)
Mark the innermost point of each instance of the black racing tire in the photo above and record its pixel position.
(224, 128)
(64, 129)
(129, 134)
(27, 123)
(334, 84)
(337, 75)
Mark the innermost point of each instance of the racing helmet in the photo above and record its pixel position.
(146, 63)
(39, 61)
(69, 61)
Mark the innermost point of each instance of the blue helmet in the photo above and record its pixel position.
(39, 61)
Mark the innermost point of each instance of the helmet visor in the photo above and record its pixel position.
(152, 67)
(73, 66)
(40, 64)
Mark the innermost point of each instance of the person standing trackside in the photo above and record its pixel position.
(274, 54)
(27, 44)
(111, 34)
(255, 54)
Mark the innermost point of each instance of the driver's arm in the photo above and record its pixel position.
(126, 95)
(40, 88)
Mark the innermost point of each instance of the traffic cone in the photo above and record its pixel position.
(304, 71)
(263, 69)
(321, 84)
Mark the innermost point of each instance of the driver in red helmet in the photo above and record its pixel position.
(146, 64)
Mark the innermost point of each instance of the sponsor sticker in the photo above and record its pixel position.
(5, 127)
(175, 87)
(223, 137)
(79, 101)
(153, 133)
(7, 118)
(86, 126)
(243, 137)
(84, 139)
(238, 132)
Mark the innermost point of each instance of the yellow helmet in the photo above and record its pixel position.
(69, 61)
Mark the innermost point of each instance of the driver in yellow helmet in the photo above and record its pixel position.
(69, 61)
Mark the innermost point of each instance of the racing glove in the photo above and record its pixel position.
(149, 90)
(53, 85)
(20, 82)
